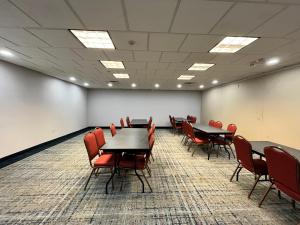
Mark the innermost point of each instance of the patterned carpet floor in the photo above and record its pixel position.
(47, 188)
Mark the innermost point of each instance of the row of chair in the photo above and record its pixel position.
(129, 123)
(191, 119)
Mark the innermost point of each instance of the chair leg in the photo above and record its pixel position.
(190, 145)
(265, 195)
(294, 204)
(148, 170)
(88, 180)
(237, 174)
(238, 166)
(231, 151)
(279, 194)
(146, 181)
(143, 186)
(152, 156)
(193, 152)
(224, 146)
(254, 185)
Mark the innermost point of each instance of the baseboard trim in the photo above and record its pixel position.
(7, 160)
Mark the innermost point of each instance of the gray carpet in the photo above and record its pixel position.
(47, 188)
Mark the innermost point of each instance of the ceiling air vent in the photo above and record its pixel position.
(189, 83)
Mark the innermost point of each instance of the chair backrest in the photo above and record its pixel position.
(128, 121)
(243, 150)
(193, 119)
(91, 146)
(218, 124)
(283, 168)
(184, 127)
(151, 141)
(232, 128)
(122, 123)
(188, 117)
(149, 122)
(153, 128)
(173, 122)
(113, 129)
(99, 134)
(190, 131)
(211, 123)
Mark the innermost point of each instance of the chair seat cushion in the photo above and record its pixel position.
(138, 163)
(260, 166)
(222, 141)
(105, 160)
(200, 141)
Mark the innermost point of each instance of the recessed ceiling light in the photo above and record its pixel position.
(121, 75)
(86, 84)
(133, 85)
(6, 53)
(156, 85)
(215, 82)
(272, 61)
(232, 44)
(113, 64)
(109, 84)
(201, 86)
(201, 66)
(72, 79)
(185, 77)
(179, 86)
(94, 39)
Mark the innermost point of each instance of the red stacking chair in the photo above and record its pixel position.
(194, 139)
(226, 141)
(122, 123)
(149, 122)
(96, 160)
(284, 172)
(245, 160)
(113, 129)
(185, 132)
(218, 124)
(188, 117)
(193, 119)
(175, 126)
(211, 123)
(99, 134)
(128, 122)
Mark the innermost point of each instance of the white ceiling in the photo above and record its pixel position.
(169, 35)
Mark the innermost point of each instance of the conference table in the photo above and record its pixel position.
(258, 148)
(139, 123)
(128, 140)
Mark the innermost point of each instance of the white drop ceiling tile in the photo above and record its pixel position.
(197, 57)
(90, 54)
(62, 53)
(225, 58)
(5, 43)
(153, 16)
(263, 45)
(21, 37)
(200, 43)
(121, 40)
(194, 16)
(32, 52)
(147, 56)
(10, 16)
(165, 42)
(173, 57)
(294, 35)
(175, 66)
(103, 15)
(57, 38)
(135, 65)
(50, 13)
(157, 65)
(119, 55)
(290, 48)
(244, 17)
(283, 23)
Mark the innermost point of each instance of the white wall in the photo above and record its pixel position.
(36, 108)
(265, 108)
(108, 106)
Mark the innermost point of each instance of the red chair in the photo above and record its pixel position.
(113, 130)
(211, 123)
(122, 123)
(128, 122)
(193, 119)
(218, 124)
(185, 132)
(96, 160)
(99, 134)
(176, 127)
(226, 140)
(149, 122)
(195, 140)
(284, 172)
(245, 160)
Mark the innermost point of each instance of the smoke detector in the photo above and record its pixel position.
(257, 62)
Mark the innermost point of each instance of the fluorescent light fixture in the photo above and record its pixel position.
(109, 84)
(121, 75)
(94, 39)
(133, 85)
(6, 53)
(232, 44)
(179, 86)
(201, 66)
(201, 86)
(215, 82)
(113, 64)
(72, 79)
(272, 61)
(185, 77)
(86, 84)
(156, 85)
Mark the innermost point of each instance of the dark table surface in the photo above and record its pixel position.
(139, 122)
(258, 147)
(128, 140)
(209, 130)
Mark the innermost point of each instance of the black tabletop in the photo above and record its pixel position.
(209, 130)
(139, 122)
(258, 147)
(128, 140)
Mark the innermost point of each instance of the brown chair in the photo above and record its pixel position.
(226, 141)
(128, 122)
(122, 123)
(284, 172)
(245, 160)
(113, 130)
(176, 127)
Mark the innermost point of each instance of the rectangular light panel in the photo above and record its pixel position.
(185, 77)
(201, 66)
(94, 39)
(113, 64)
(232, 44)
(121, 75)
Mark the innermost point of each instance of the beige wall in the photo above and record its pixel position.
(266, 108)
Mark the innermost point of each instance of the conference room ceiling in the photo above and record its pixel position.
(169, 36)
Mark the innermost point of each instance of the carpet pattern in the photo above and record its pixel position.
(47, 188)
